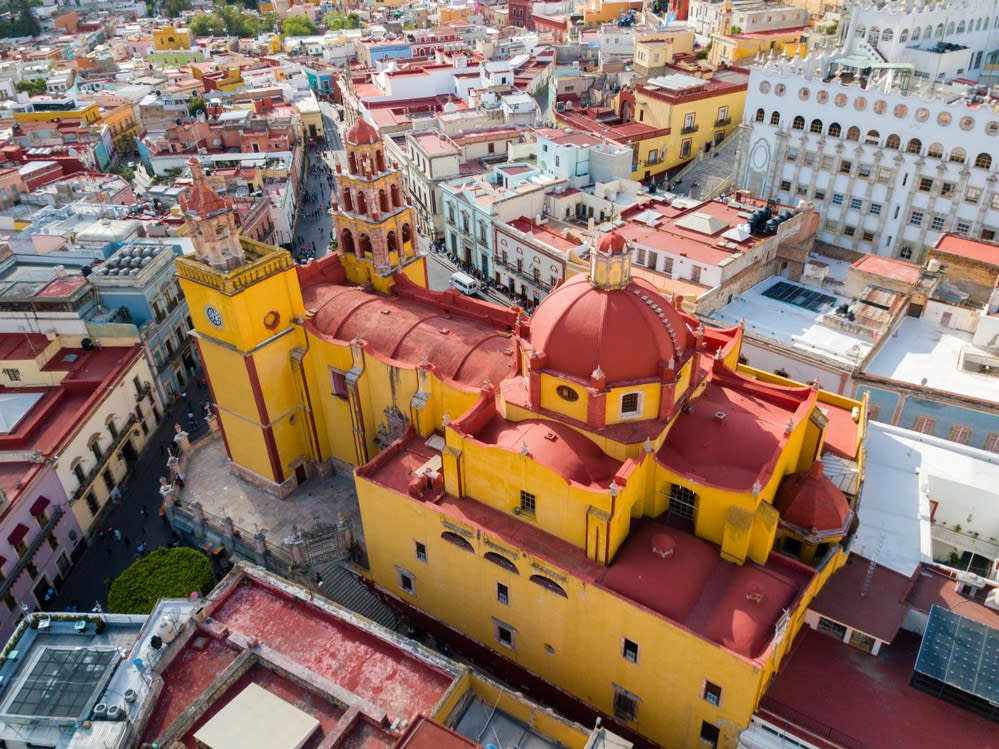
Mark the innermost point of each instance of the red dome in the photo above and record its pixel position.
(581, 327)
(812, 504)
(362, 133)
(612, 244)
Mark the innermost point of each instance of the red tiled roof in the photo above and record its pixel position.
(936, 587)
(875, 607)
(21, 346)
(425, 734)
(887, 267)
(462, 349)
(971, 249)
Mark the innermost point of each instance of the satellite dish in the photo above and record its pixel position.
(87, 345)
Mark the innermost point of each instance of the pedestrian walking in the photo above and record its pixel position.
(179, 480)
(318, 579)
(117, 535)
(144, 512)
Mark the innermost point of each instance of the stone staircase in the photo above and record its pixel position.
(341, 586)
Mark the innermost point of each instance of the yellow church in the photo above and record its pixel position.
(598, 501)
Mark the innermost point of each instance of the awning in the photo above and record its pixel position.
(207, 545)
(39, 506)
(17, 535)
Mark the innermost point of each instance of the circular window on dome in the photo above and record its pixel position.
(900, 110)
(922, 114)
(944, 119)
(840, 100)
(880, 106)
(967, 123)
(860, 103)
(764, 87)
(992, 127)
(566, 393)
(780, 89)
(822, 97)
(804, 93)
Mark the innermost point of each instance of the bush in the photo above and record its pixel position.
(165, 573)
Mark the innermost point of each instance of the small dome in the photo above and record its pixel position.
(612, 244)
(628, 334)
(362, 133)
(811, 504)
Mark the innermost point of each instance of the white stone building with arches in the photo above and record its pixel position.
(889, 170)
(942, 39)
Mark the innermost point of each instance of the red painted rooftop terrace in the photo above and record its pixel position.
(353, 684)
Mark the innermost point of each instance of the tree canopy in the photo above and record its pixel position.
(335, 21)
(197, 105)
(298, 26)
(165, 573)
(32, 87)
(20, 21)
(173, 8)
(231, 20)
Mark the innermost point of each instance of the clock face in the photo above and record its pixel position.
(214, 316)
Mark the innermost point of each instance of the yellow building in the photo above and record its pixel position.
(598, 501)
(699, 112)
(169, 38)
(739, 49)
(121, 120)
(89, 114)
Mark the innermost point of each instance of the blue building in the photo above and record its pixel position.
(138, 281)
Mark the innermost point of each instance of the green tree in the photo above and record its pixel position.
(173, 8)
(353, 21)
(334, 21)
(197, 105)
(165, 573)
(20, 19)
(207, 24)
(298, 26)
(32, 87)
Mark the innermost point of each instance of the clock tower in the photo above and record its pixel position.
(246, 306)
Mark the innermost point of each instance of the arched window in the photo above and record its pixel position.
(861, 32)
(459, 541)
(835, 130)
(549, 584)
(960, 28)
(853, 133)
(958, 155)
(348, 201)
(935, 151)
(406, 234)
(915, 34)
(380, 160)
(347, 241)
(396, 196)
(775, 118)
(815, 127)
(940, 31)
(893, 142)
(983, 161)
(364, 245)
(903, 36)
(352, 162)
(362, 205)
(978, 26)
(383, 201)
(872, 138)
(887, 35)
(501, 561)
(798, 123)
(390, 242)
(950, 29)
(914, 146)
(874, 36)
(760, 115)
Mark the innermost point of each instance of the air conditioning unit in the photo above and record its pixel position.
(992, 599)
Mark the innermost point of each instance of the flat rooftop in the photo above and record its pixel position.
(792, 325)
(894, 509)
(925, 353)
(873, 704)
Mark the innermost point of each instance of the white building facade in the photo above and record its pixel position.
(889, 170)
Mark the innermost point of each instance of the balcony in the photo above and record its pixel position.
(523, 275)
(94, 472)
(690, 129)
(723, 122)
(25, 559)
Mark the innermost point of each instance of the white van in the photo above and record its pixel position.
(464, 283)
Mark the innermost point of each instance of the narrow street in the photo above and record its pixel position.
(137, 517)
(314, 224)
